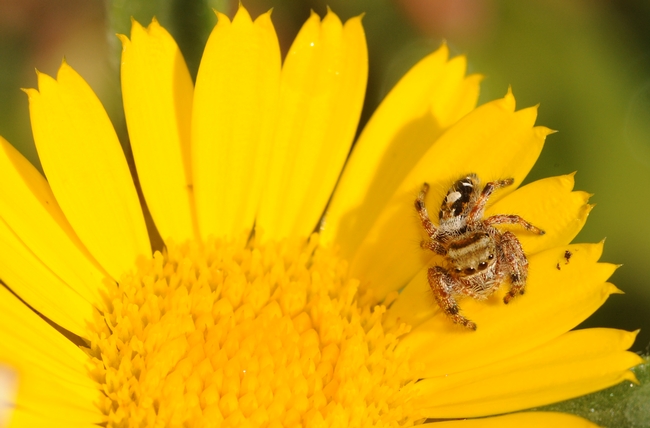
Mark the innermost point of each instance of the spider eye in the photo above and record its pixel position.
(491, 256)
(457, 270)
(482, 265)
(469, 270)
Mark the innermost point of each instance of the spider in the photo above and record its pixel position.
(478, 256)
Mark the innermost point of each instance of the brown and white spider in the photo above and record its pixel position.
(478, 256)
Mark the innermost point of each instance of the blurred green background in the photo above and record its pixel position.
(587, 63)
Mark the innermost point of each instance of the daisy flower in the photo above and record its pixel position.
(245, 317)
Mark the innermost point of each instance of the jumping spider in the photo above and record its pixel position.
(478, 256)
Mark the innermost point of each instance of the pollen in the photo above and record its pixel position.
(244, 334)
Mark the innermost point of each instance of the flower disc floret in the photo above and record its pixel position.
(229, 332)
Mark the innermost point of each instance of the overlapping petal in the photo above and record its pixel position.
(87, 171)
(21, 270)
(30, 211)
(234, 114)
(157, 91)
(323, 86)
(432, 96)
(556, 300)
(493, 141)
(571, 365)
(52, 371)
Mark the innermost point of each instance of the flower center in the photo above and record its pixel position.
(233, 331)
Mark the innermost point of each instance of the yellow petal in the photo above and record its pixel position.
(493, 141)
(555, 301)
(548, 203)
(29, 209)
(518, 420)
(323, 85)
(21, 418)
(235, 106)
(86, 168)
(432, 96)
(574, 364)
(157, 91)
(26, 275)
(53, 376)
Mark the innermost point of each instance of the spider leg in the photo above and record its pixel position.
(442, 284)
(477, 211)
(421, 208)
(513, 219)
(512, 255)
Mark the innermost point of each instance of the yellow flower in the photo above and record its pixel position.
(222, 327)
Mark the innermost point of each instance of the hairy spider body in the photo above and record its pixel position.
(478, 256)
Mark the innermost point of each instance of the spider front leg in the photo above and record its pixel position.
(513, 219)
(442, 284)
(421, 208)
(512, 255)
(479, 207)
(428, 226)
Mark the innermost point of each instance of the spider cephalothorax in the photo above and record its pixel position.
(478, 256)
